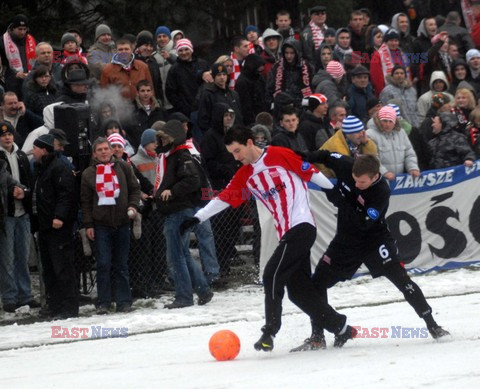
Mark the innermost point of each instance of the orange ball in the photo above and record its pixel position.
(224, 345)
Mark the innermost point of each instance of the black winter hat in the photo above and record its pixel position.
(67, 37)
(218, 68)
(145, 37)
(19, 21)
(6, 127)
(45, 142)
(391, 34)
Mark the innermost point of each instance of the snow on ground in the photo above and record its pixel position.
(169, 349)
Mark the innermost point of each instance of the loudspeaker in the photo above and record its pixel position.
(74, 119)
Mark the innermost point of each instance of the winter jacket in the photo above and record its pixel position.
(154, 73)
(143, 120)
(394, 148)
(269, 57)
(291, 140)
(6, 190)
(308, 47)
(26, 178)
(406, 40)
(56, 193)
(455, 81)
(425, 101)
(338, 144)
(458, 35)
(55, 72)
(183, 81)
(404, 92)
(293, 76)
(109, 215)
(37, 97)
(181, 177)
(357, 101)
(212, 94)
(357, 41)
(67, 96)
(115, 74)
(220, 164)
(421, 45)
(99, 55)
(164, 66)
(250, 87)
(449, 147)
(325, 84)
(434, 63)
(12, 83)
(314, 131)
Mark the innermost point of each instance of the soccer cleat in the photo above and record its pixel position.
(438, 332)
(315, 342)
(340, 340)
(265, 343)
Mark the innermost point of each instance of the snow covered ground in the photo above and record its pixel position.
(169, 349)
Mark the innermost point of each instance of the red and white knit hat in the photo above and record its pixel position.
(335, 69)
(387, 113)
(182, 43)
(116, 139)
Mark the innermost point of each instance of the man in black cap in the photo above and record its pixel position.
(15, 285)
(17, 54)
(217, 92)
(59, 143)
(75, 87)
(55, 211)
(360, 92)
(313, 35)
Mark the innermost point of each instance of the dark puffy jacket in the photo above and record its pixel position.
(449, 147)
(67, 96)
(143, 120)
(325, 84)
(26, 179)
(155, 73)
(37, 98)
(183, 81)
(211, 95)
(221, 166)
(292, 75)
(290, 140)
(6, 189)
(250, 87)
(56, 193)
(315, 131)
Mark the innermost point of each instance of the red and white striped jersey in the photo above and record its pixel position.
(279, 180)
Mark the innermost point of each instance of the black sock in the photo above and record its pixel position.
(430, 321)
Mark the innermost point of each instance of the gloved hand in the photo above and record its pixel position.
(189, 223)
(318, 156)
(335, 196)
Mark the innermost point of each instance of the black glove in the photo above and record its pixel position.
(335, 196)
(187, 224)
(318, 156)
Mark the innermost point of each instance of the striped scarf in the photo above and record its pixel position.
(162, 165)
(317, 34)
(388, 62)
(13, 54)
(236, 72)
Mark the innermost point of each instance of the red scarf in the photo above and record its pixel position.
(236, 72)
(67, 57)
(106, 184)
(317, 34)
(162, 165)
(13, 54)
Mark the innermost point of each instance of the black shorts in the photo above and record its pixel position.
(344, 262)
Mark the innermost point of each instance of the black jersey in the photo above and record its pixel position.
(361, 221)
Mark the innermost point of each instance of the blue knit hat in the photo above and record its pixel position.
(148, 136)
(162, 30)
(251, 28)
(397, 110)
(351, 125)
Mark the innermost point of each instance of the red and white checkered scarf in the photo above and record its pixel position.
(106, 184)
(236, 72)
(317, 34)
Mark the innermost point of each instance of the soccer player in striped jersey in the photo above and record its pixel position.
(278, 178)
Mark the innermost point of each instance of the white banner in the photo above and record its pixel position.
(435, 219)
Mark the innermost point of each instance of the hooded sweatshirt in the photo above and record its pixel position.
(425, 101)
(406, 40)
(269, 57)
